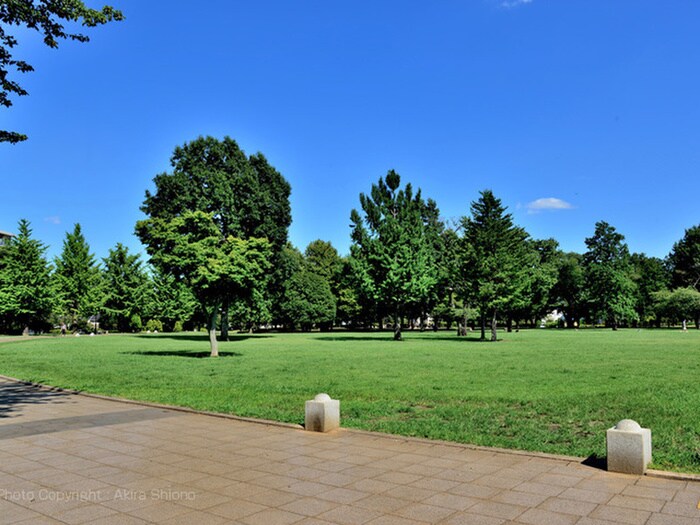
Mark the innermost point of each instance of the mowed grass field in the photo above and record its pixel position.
(546, 390)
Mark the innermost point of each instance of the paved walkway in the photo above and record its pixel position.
(75, 459)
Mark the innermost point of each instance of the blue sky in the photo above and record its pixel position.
(570, 111)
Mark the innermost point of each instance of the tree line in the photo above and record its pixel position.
(219, 257)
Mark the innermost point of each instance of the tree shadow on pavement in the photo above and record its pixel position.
(14, 394)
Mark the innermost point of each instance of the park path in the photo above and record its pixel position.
(67, 458)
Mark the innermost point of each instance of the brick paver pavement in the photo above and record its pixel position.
(68, 458)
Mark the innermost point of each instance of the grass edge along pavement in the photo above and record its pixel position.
(552, 391)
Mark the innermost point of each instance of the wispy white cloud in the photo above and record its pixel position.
(510, 4)
(547, 203)
(53, 219)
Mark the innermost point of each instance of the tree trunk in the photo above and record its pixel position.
(509, 325)
(483, 327)
(397, 327)
(212, 334)
(494, 327)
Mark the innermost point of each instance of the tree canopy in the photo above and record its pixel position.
(77, 279)
(47, 17)
(246, 196)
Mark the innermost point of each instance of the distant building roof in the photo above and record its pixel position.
(6, 234)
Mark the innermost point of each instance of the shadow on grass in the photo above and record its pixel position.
(200, 337)
(389, 337)
(596, 461)
(182, 353)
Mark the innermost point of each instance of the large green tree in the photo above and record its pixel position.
(246, 197)
(46, 17)
(216, 269)
(496, 260)
(77, 279)
(607, 270)
(392, 250)
(684, 259)
(125, 290)
(27, 297)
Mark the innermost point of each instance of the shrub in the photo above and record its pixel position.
(154, 325)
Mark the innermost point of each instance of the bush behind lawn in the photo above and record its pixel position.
(544, 390)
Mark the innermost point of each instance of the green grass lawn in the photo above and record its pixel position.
(547, 390)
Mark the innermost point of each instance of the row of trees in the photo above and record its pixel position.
(407, 263)
(74, 290)
(216, 233)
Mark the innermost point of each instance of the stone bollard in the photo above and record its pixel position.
(629, 447)
(322, 414)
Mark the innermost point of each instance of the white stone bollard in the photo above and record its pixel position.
(629, 447)
(322, 414)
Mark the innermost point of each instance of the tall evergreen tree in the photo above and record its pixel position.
(126, 290)
(77, 279)
(392, 250)
(496, 259)
(608, 276)
(27, 297)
